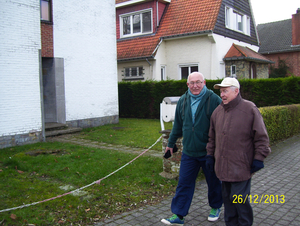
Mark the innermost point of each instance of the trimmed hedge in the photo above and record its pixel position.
(142, 99)
(281, 121)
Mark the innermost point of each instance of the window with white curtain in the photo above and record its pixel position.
(237, 21)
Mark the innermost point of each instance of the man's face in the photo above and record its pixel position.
(195, 83)
(228, 94)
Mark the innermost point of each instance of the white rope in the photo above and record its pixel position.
(95, 182)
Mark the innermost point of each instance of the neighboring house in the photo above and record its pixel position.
(169, 39)
(280, 40)
(57, 64)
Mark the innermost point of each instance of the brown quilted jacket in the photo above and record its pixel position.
(237, 135)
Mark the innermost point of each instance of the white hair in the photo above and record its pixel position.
(196, 72)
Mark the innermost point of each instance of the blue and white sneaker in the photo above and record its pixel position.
(214, 214)
(174, 220)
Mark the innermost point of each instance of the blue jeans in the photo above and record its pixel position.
(189, 169)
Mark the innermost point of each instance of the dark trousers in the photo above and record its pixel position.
(189, 169)
(238, 212)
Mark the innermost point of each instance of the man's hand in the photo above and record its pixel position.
(168, 152)
(256, 165)
(210, 163)
(171, 150)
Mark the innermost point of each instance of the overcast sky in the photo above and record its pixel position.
(266, 11)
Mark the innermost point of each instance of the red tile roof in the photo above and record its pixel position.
(244, 53)
(188, 16)
(182, 17)
(141, 47)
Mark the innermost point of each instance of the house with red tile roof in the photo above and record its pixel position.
(169, 39)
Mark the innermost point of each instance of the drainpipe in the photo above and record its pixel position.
(42, 96)
(148, 62)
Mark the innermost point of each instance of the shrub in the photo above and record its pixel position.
(281, 121)
(142, 99)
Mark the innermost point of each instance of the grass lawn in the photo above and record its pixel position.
(33, 173)
(141, 133)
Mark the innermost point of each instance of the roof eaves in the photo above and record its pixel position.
(131, 2)
(254, 23)
(197, 33)
(294, 49)
(136, 58)
(249, 59)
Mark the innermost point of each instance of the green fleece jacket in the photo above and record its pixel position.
(195, 136)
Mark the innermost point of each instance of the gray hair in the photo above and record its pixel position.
(196, 72)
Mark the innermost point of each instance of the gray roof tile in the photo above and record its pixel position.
(275, 36)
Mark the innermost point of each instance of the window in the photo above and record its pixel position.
(248, 25)
(227, 17)
(46, 10)
(233, 71)
(136, 23)
(163, 73)
(185, 70)
(237, 21)
(133, 71)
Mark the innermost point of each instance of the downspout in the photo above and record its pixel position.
(148, 62)
(42, 97)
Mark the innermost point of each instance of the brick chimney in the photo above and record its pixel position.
(296, 28)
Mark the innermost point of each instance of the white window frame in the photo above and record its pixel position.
(189, 66)
(233, 71)
(231, 21)
(163, 72)
(121, 17)
(139, 70)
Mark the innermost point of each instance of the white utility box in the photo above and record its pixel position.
(167, 110)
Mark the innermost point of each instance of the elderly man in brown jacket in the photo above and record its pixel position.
(238, 144)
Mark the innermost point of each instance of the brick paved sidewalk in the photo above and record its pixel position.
(280, 178)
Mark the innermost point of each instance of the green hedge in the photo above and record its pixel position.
(281, 121)
(142, 99)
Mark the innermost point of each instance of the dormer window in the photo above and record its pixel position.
(237, 21)
(136, 23)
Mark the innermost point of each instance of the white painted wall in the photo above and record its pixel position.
(192, 50)
(160, 60)
(85, 36)
(222, 46)
(207, 51)
(20, 107)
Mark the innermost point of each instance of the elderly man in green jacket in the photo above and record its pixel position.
(192, 120)
(238, 144)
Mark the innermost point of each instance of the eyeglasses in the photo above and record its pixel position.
(197, 83)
